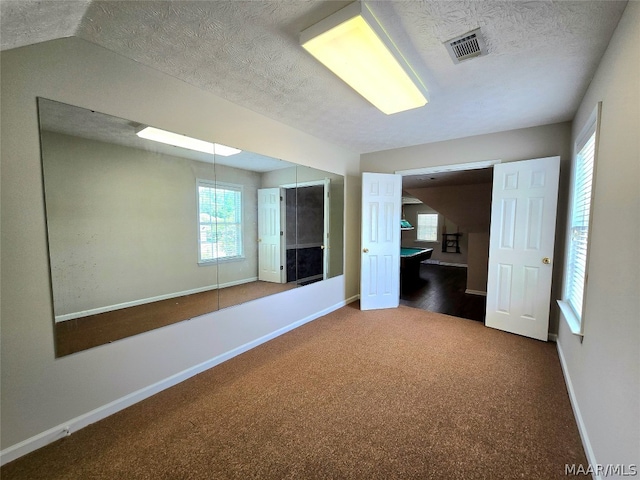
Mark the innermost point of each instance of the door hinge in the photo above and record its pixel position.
(281, 267)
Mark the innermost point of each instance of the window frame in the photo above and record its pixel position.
(200, 182)
(437, 216)
(575, 319)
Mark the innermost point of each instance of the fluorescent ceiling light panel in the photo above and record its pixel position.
(177, 140)
(224, 150)
(354, 46)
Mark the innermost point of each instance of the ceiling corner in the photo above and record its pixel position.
(26, 22)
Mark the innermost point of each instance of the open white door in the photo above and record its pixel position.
(380, 255)
(326, 247)
(523, 221)
(270, 248)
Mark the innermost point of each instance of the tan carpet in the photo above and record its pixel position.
(354, 395)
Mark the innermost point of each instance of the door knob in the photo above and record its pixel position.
(365, 250)
(546, 260)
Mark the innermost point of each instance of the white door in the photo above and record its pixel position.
(523, 220)
(380, 255)
(270, 250)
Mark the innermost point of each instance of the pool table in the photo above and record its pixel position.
(410, 259)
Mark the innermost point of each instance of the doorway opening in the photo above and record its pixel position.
(305, 233)
(453, 281)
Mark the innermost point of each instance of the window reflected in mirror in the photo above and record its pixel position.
(143, 233)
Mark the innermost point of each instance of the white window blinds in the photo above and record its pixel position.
(579, 241)
(427, 227)
(219, 221)
(580, 221)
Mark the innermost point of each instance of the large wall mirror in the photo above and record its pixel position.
(143, 233)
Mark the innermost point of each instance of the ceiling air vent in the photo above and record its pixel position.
(466, 46)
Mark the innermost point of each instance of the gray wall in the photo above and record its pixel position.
(604, 370)
(40, 392)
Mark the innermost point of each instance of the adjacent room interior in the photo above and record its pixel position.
(197, 311)
(449, 213)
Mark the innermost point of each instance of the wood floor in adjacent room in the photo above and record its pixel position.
(442, 289)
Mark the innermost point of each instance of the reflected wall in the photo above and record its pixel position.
(126, 230)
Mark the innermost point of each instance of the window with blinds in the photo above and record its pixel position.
(427, 228)
(579, 226)
(219, 221)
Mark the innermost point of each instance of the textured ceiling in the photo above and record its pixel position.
(24, 22)
(80, 122)
(541, 57)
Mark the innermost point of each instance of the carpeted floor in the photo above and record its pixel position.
(389, 394)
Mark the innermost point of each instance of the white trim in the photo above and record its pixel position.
(475, 292)
(73, 425)
(590, 128)
(591, 458)
(571, 318)
(143, 301)
(311, 183)
(218, 261)
(456, 167)
(308, 183)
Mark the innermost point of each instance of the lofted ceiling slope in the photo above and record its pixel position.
(541, 57)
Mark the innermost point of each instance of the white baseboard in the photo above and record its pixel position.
(352, 299)
(475, 292)
(591, 458)
(73, 425)
(143, 301)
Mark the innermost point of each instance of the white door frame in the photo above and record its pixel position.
(456, 167)
(325, 182)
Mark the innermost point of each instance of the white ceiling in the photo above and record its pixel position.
(541, 57)
(80, 122)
